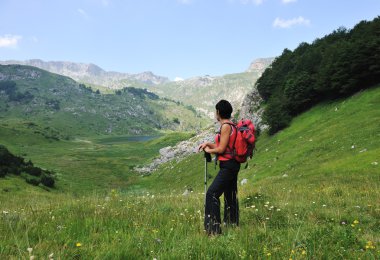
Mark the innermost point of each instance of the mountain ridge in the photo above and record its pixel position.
(91, 73)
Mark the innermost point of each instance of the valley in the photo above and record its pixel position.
(311, 190)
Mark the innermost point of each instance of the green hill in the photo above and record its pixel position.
(332, 67)
(312, 192)
(69, 109)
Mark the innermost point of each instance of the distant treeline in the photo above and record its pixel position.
(332, 67)
(138, 92)
(88, 88)
(13, 94)
(11, 164)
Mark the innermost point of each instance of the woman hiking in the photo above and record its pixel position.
(226, 180)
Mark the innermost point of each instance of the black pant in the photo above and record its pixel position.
(225, 182)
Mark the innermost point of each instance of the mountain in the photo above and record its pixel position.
(193, 91)
(68, 109)
(205, 91)
(93, 74)
(260, 65)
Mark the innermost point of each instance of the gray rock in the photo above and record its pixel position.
(251, 109)
(179, 151)
(243, 181)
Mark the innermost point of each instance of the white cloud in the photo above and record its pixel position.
(178, 79)
(282, 23)
(288, 1)
(83, 13)
(9, 41)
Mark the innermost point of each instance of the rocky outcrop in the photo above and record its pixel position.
(251, 109)
(259, 65)
(179, 151)
(251, 106)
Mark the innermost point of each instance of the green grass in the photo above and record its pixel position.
(84, 164)
(312, 193)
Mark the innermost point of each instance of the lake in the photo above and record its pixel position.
(125, 139)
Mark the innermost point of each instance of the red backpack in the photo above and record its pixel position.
(245, 140)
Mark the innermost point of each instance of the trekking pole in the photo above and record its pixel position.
(207, 159)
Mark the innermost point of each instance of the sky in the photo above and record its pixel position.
(171, 38)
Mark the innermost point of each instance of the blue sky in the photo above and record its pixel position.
(173, 38)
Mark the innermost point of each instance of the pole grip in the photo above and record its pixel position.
(208, 157)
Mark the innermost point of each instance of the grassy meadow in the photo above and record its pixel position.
(312, 192)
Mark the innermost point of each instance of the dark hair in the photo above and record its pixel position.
(225, 109)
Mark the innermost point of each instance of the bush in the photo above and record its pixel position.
(10, 164)
(3, 172)
(35, 171)
(32, 180)
(47, 180)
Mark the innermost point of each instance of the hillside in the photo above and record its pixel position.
(335, 66)
(93, 74)
(322, 141)
(191, 91)
(311, 192)
(204, 92)
(63, 106)
(312, 187)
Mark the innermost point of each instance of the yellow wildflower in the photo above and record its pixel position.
(78, 244)
(356, 221)
(369, 245)
(304, 252)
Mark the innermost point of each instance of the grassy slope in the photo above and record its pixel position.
(81, 111)
(322, 168)
(85, 164)
(312, 192)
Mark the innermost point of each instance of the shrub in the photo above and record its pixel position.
(32, 180)
(47, 180)
(35, 171)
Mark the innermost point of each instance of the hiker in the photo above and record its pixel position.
(226, 180)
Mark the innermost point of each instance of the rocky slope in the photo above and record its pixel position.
(205, 91)
(251, 109)
(259, 65)
(178, 151)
